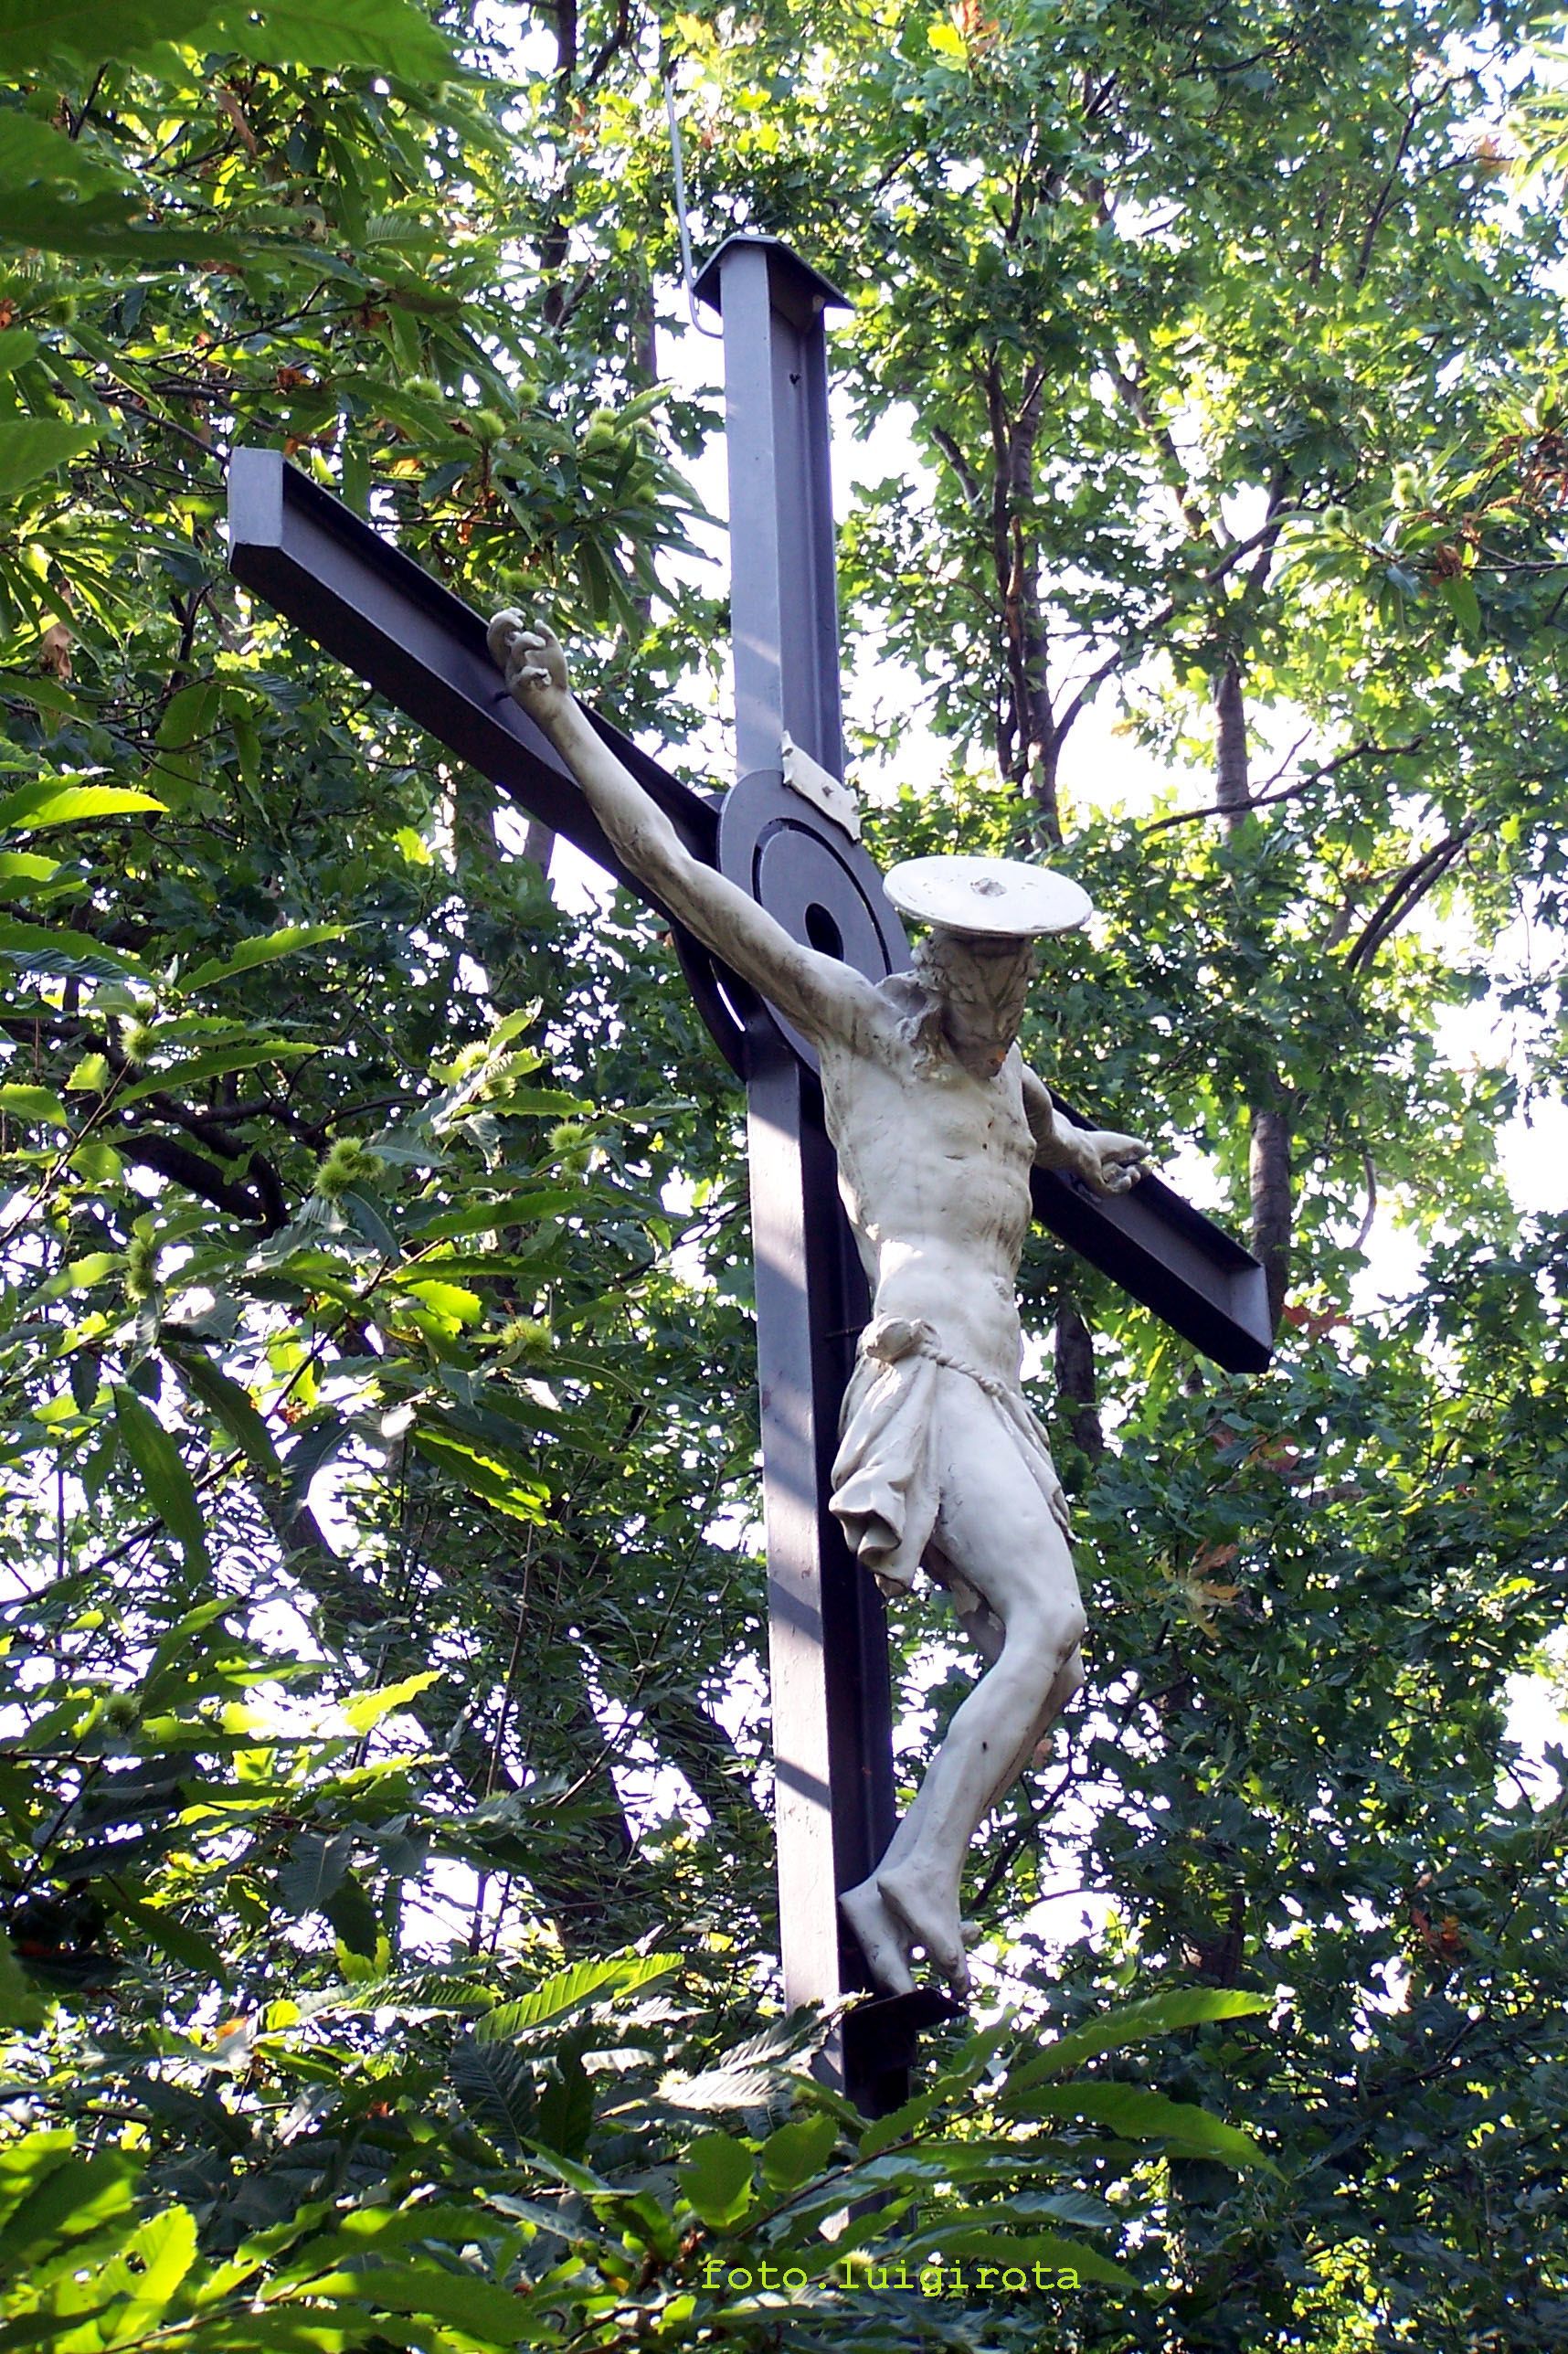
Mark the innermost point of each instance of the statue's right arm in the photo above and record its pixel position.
(819, 994)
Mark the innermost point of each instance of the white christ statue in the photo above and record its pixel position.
(937, 1121)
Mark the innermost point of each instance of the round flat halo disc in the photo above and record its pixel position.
(1002, 897)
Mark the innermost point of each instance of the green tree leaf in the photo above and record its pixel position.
(1135, 2023)
(50, 949)
(166, 1481)
(590, 1981)
(314, 1870)
(716, 2180)
(564, 2120)
(52, 800)
(366, 1711)
(228, 1402)
(25, 1103)
(91, 30)
(157, 2258)
(1139, 2114)
(477, 2308)
(353, 1918)
(979, 2241)
(494, 2084)
(389, 36)
(264, 949)
(75, 2199)
(792, 2153)
(33, 150)
(23, 2010)
(32, 447)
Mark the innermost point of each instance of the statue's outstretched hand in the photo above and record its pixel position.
(530, 659)
(1111, 1162)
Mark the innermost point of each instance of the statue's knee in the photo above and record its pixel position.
(1049, 1646)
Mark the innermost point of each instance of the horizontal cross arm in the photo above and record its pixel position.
(361, 598)
(1196, 1277)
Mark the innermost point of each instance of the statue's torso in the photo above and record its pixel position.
(934, 1168)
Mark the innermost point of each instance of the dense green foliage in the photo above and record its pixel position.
(384, 1847)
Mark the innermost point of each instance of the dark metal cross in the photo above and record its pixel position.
(360, 599)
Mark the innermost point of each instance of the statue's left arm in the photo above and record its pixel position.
(1107, 1161)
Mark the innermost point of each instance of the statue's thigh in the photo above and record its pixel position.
(992, 1520)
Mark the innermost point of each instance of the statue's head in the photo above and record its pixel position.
(978, 958)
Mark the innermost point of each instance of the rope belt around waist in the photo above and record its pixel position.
(890, 1339)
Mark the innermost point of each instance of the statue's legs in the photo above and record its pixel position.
(996, 1529)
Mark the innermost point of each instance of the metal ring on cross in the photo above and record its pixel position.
(812, 878)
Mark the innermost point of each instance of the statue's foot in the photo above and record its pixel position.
(930, 1913)
(882, 1937)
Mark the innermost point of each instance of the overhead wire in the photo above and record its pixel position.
(678, 170)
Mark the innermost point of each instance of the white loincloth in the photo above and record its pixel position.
(886, 1475)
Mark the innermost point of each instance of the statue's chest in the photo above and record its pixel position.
(986, 1115)
(926, 1110)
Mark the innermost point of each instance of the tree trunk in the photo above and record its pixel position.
(554, 245)
(1029, 742)
(1233, 785)
(538, 844)
(1269, 1105)
(475, 804)
(645, 336)
(1043, 791)
(1075, 1383)
(1272, 1211)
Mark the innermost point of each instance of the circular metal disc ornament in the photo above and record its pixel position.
(812, 878)
(1001, 896)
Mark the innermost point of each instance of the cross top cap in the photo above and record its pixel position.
(1002, 898)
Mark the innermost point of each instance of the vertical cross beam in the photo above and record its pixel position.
(832, 1706)
(783, 571)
